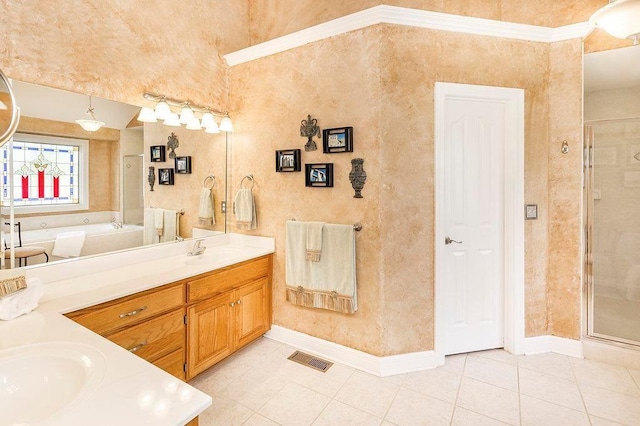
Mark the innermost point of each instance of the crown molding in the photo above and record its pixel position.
(412, 18)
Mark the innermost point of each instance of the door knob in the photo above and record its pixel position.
(448, 241)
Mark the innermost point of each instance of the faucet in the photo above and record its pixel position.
(117, 225)
(197, 249)
(179, 238)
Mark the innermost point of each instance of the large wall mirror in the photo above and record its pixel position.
(612, 193)
(78, 193)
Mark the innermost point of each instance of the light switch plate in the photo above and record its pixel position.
(531, 212)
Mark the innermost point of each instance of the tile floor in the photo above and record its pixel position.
(259, 386)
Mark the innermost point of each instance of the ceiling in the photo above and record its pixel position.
(612, 69)
(53, 104)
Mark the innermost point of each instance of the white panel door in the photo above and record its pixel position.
(472, 223)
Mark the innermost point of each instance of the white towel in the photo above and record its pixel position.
(329, 283)
(206, 215)
(314, 241)
(171, 225)
(149, 236)
(158, 221)
(22, 302)
(68, 244)
(245, 210)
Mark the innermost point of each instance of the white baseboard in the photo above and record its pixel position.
(379, 366)
(559, 345)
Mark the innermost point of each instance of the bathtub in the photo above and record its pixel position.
(100, 238)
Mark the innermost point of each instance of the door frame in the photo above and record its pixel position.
(513, 166)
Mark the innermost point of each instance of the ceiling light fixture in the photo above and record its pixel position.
(188, 114)
(620, 18)
(88, 121)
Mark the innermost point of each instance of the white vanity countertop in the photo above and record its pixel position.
(132, 391)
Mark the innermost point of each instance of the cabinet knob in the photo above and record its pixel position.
(232, 304)
(238, 302)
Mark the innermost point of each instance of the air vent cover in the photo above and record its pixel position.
(310, 361)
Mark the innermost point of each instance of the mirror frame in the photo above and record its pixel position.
(15, 112)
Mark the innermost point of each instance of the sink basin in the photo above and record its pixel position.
(215, 254)
(38, 381)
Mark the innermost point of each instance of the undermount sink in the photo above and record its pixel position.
(38, 381)
(215, 254)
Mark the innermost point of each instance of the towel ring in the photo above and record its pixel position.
(250, 177)
(212, 178)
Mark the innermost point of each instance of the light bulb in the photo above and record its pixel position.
(147, 115)
(162, 110)
(194, 124)
(172, 120)
(186, 115)
(226, 125)
(208, 120)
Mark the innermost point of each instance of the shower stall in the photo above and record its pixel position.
(612, 229)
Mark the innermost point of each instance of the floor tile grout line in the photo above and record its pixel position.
(584, 404)
(455, 402)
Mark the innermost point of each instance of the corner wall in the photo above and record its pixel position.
(380, 80)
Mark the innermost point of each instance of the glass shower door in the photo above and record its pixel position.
(612, 257)
(132, 190)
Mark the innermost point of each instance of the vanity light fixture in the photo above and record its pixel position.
(194, 124)
(226, 125)
(162, 110)
(620, 18)
(172, 120)
(188, 115)
(147, 115)
(88, 121)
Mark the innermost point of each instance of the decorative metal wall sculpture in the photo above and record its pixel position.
(308, 129)
(357, 176)
(172, 144)
(152, 176)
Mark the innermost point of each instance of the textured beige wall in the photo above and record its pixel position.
(120, 49)
(268, 20)
(565, 190)
(207, 153)
(388, 73)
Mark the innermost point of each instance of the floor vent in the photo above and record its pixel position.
(310, 361)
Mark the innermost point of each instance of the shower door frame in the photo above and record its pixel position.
(588, 216)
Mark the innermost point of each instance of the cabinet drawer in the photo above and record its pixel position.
(172, 364)
(108, 317)
(154, 338)
(227, 278)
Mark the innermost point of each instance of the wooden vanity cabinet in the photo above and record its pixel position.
(224, 310)
(227, 309)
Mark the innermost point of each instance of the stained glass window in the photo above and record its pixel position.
(44, 173)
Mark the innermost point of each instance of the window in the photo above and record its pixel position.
(49, 174)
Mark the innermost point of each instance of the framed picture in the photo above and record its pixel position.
(288, 160)
(158, 153)
(319, 175)
(337, 140)
(165, 176)
(183, 165)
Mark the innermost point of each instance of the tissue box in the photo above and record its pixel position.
(22, 302)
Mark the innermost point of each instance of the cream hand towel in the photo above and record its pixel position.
(171, 226)
(245, 210)
(205, 211)
(68, 244)
(150, 236)
(314, 241)
(158, 221)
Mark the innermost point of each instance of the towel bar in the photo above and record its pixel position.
(356, 226)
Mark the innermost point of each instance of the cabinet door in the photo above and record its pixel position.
(252, 303)
(210, 337)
